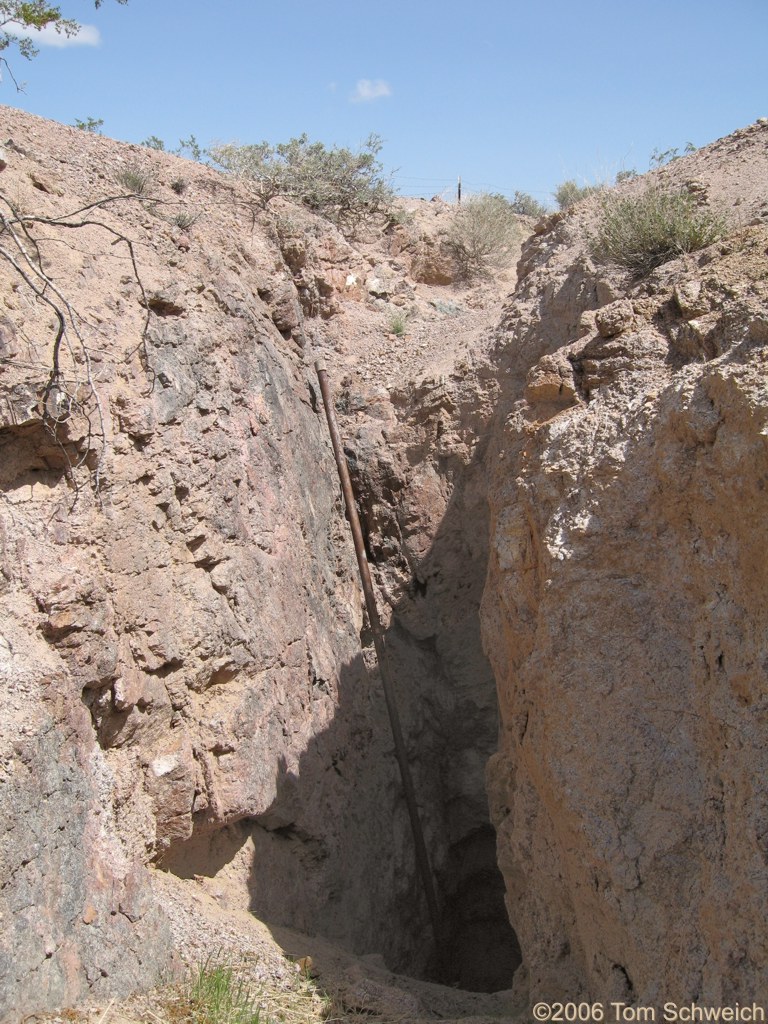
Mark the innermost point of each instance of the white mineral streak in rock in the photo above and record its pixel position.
(163, 765)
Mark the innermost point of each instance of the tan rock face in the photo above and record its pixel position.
(626, 619)
(182, 624)
(180, 615)
(180, 655)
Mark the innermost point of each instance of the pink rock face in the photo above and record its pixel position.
(626, 618)
(180, 651)
(180, 648)
(178, 601)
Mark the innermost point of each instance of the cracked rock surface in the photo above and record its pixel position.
(625, 609)
(564, 499)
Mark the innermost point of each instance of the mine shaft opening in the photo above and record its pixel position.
(481, 951)
(247, 867)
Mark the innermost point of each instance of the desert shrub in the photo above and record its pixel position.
(89, 124)
(569, 193)
(135, 179)
(398, 323)
(651, 227)
(527, 206)
(660, 157)
(344, 186)
(397, 217)
(191, 148)
(184, 219)
(483, 231)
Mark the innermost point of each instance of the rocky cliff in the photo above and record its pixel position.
(625, 611)
(184, 684)
(562, 504)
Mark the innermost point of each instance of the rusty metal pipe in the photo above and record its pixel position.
(422, 858)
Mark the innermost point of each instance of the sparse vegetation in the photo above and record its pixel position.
(218, 996)
(570, 192)
(482, 234)
(184, 219)
(220, 992)
(344, 186)
(191, 148)
(527, 206)
(659, 157)
(446, 308)
(398, 216)
(90, 124)
(136, 180)
(179, 186)
(398, 323)
(644, 230)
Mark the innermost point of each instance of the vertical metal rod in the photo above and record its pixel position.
(459, 192)
(422, 859)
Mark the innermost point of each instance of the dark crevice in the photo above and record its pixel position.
(332, 854)
(482, 948)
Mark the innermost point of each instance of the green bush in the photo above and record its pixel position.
(525, 204)
(569, 193)
(644, 230)
(660, 157)
(483, 231)
(398, 323)
(89, 124)
(136, 180)
(184, 219)
(344, 186)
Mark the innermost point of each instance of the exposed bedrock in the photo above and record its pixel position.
(417, 468)
(626, 618)
(187, 673)
(183, 682)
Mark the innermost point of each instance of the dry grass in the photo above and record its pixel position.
(222, 993)
(136, 180)
(645, 230)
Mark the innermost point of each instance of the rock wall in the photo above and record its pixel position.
(421, 483)
(625, 610)
(181, 641)
(180, 614)
(186, 668)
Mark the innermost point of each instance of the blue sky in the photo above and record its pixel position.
(509, 95)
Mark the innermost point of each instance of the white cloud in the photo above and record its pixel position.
(368, 89)
(88, 35)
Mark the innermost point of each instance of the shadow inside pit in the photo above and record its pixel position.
(333, 855)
